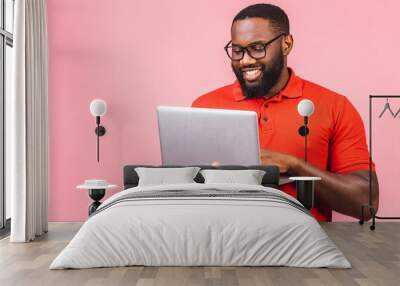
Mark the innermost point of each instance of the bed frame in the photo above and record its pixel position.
(270, 179)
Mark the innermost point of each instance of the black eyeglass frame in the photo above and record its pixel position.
(264, 44)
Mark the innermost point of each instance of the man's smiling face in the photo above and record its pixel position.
(257, 76)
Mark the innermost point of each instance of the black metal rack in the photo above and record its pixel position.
(369, 206)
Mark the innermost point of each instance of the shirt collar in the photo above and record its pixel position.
(293, 89)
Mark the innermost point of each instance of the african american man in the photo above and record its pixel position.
(337, 151)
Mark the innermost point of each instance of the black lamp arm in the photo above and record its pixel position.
(100, 131)
(304, 131)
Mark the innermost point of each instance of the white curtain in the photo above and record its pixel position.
(26, 123)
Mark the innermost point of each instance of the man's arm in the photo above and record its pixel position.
(344, 193)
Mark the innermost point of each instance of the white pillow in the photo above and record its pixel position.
(162, 176)
(248, 177)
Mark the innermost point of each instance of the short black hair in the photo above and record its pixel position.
(278, 18)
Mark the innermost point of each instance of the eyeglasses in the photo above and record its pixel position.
(255, 50)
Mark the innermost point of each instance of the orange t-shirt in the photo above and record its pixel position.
(336, 141)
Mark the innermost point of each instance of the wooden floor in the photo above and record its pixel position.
(375, 257)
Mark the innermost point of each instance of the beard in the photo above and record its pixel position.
(269, 77)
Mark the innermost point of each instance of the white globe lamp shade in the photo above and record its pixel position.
(98, 107)
(305, 107)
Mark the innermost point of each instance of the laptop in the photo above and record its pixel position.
(203, 136)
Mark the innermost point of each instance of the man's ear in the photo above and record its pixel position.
(287, 44)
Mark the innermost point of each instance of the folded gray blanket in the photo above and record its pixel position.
(206, 193)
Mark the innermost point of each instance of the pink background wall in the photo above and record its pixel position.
(140, 54)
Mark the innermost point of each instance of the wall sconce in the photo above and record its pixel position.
(98, 108)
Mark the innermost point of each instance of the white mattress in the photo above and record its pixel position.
(191, 231)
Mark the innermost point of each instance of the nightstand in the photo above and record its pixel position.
(97, 190)
(305, 190)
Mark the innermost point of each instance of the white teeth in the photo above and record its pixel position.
(252, 75)
(253, 72)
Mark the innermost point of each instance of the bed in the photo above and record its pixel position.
(201, 224)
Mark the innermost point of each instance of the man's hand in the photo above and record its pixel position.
(344, 193)
(285, 162)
